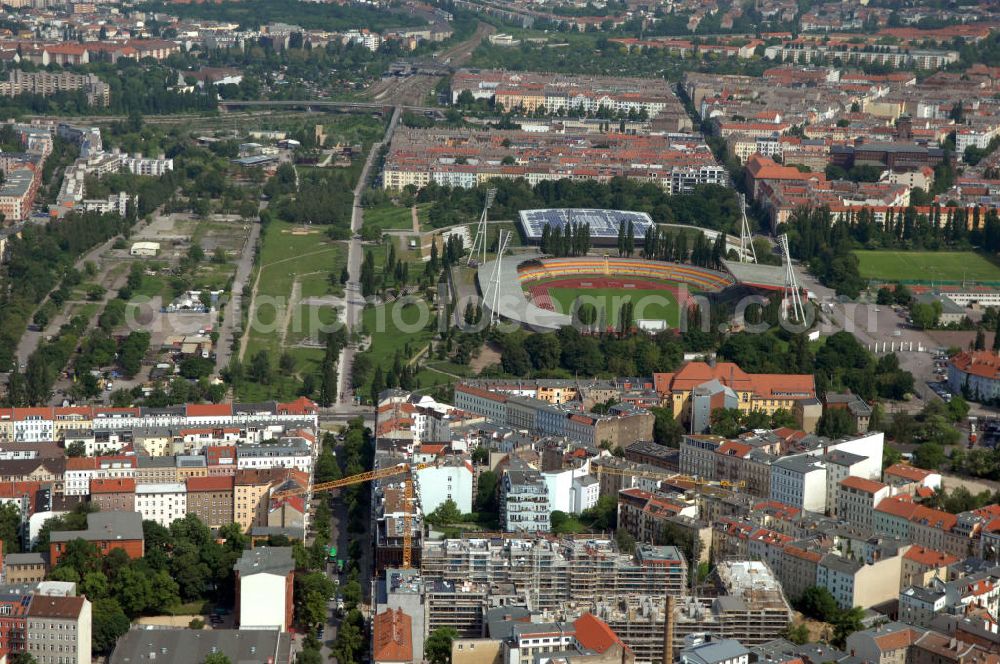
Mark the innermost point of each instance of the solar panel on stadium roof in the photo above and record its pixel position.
(602, 223)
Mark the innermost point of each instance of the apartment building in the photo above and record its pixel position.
(751, 608)
(264, 582)
(18, 191)
(257, 422)
(163, 503)
(644, 514)
(46, 84)
(755, 392)
(21, 568)
(799, 481)
(885, 644)
(857, 498)
(559, 93)
(921, 564)
(105, 530)
(211, 499)
(802, 52)
(551, 572)
(466, 158)
(524, 499)
(451, 480)
(59, 630)
(113, 495)
(81, 472)
(862, 583)
(253, 489)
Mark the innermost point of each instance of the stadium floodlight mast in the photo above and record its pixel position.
(477, 255)
(792, 297)
(747, 253)
(502, 241)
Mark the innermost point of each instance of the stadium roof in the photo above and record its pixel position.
(602, 223)
(753, 274)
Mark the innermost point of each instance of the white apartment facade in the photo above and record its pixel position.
(163, 502)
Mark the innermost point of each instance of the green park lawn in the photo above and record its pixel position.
(656, 304)
(927, 266)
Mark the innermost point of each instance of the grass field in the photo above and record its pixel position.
(659, 304)
(289, 256)
(926, 266)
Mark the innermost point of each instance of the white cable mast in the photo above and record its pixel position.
(502, 241)
(747, 253)
(792, 297)
(477, 255)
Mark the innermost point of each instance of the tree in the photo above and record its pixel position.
(929, 456)
(625, 541)
(486, 492)
(846, 623)
(980, 342)
(109, 623)
(437, 648)
(817, 603)
(217, 658)
(666, 430)
(312, 592)
(10, 527)
(836, 423)
(445, 514)
(23, 658)
(798, 634)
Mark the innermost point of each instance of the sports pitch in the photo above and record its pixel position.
(656, 304)
(926, 266)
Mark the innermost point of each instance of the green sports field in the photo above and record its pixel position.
(659, 304)
(926, 266)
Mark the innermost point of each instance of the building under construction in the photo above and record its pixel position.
(557, 574)
(750, 608)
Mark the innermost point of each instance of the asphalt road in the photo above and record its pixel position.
(871, 325)
(354, 303)
(31, 339)
(233, 311)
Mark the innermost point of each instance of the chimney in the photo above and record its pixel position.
(668, 631)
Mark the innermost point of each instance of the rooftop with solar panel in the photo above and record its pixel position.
(604, 224)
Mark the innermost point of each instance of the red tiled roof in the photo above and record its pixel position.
(112, 485)
(982, 363)
(208, 410)
(907, 472)
(732, 448)
(901, 506)
(391, 636)
(301, 406)
(861, 484)
(929, 557)
(214, 483)
(81, 463)
(594, 634)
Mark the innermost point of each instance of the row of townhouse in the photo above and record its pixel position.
(532, 91)
(466, 158)
(46, 621)
(888, 56)
(41, 424)
(621, 425)
(246, 497)
(790, 467)
(216, 461)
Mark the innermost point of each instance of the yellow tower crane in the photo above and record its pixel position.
(382, 473)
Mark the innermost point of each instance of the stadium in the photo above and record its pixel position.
(541, 293)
